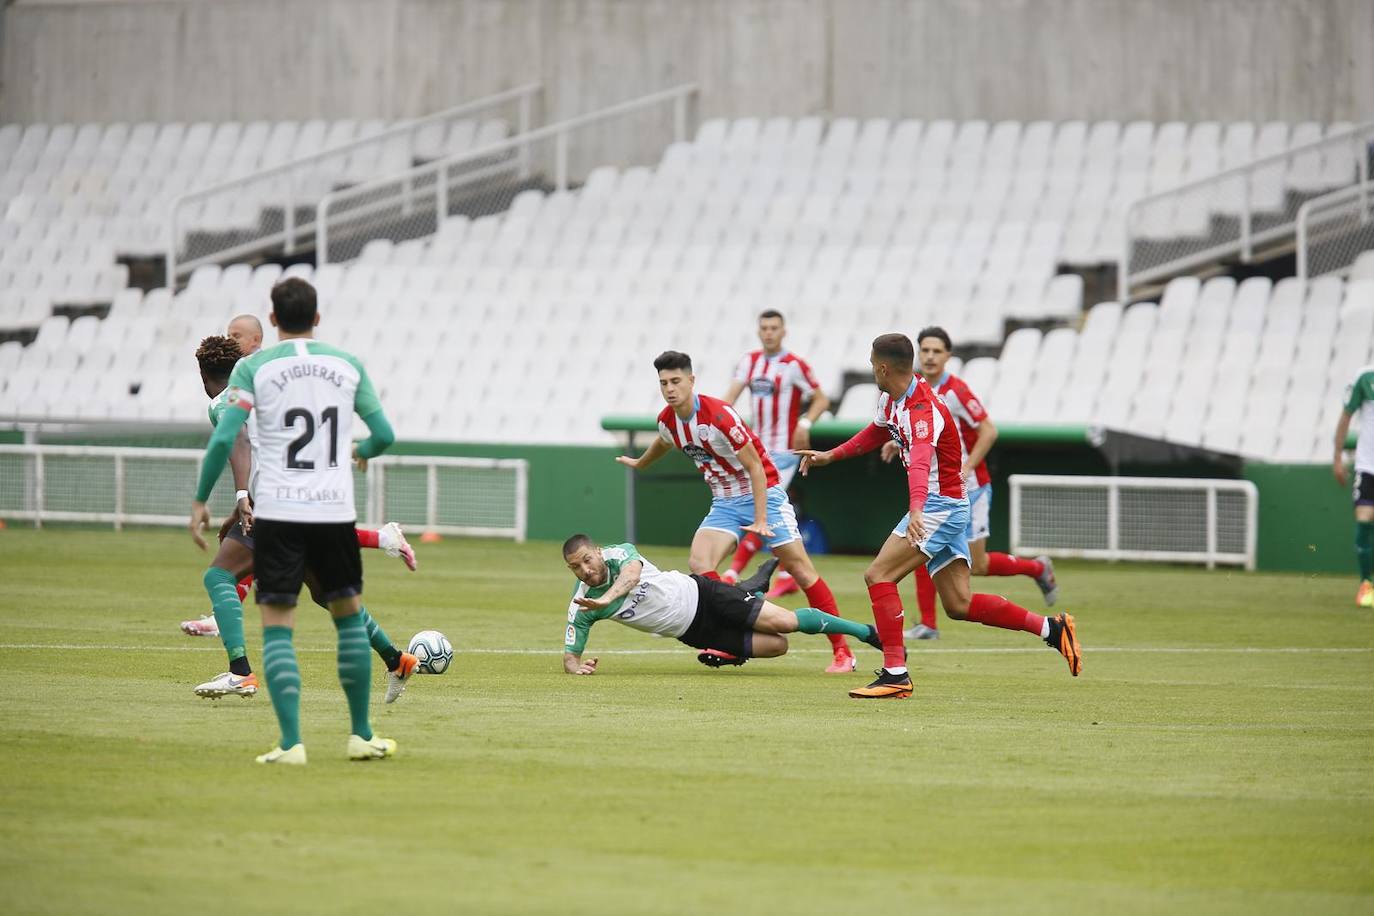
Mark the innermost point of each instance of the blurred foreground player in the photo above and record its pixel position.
(932, 531)
(304, 393)
(1359, 399)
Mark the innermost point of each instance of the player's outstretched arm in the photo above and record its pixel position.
(241, 466)
(865, 440)
(624, 583)
(656, 450)
(1338, 463)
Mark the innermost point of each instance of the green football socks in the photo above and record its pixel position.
(224, 601)
(813, 621)
(283, 682)
(1364, 548)
(381, 643)
(355, 670)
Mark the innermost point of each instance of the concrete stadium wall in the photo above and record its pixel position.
(107, 60)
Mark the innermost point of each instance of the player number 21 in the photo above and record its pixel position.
(329, 415)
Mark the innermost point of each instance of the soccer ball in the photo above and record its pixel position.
(433, 650)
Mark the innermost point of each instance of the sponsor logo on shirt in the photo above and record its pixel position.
(762, 386)
(696, 453)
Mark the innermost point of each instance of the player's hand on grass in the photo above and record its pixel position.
(587, 667)
(916, 530)
(890, 452)
(811, 458)
(762, 529)
(200, 520)
(591, 604)
(1338, 469)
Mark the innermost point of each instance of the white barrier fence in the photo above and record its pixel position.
(1170, 519)
(476, 497)
(1334, 230)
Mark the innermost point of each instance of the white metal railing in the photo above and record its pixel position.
(1333, 230)
(1238, 211)
(1172, 519)
(478, 497)
(294, 187)
(422, 195)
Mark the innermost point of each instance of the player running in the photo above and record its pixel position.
(305, 393)
(779, 382)
(246, 332)
(978, 434)
(233, 564)
(1359, 398)
(745, 492)
(932, 531)
(729, 624)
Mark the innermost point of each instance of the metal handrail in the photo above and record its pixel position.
(559, 131)
(1245, 244)
(524, 94)
(1355, 193)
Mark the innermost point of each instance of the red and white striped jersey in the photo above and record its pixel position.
(969, 414)
(920, 420)
(777, 385)
(712, 437)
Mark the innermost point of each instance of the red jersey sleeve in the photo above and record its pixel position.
(865, 440)
(918, 462)
(730, 423)
(973, 412)
(805, 379)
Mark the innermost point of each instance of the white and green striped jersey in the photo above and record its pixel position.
(304, 394)
(1359, 403)
(663, 602)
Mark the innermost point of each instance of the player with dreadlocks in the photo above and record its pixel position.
(233, 561)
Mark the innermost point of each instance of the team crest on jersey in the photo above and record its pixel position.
(921, 429)
(237, 397)
(703, 432)
(762, 386)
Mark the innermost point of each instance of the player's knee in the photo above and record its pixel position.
(213, 576)
(873, 575)
(956, 606)
(980, 565)
(698, 565)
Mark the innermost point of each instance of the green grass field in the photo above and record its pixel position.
(1217, 755)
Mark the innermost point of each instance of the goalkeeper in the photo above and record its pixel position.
(729, 624)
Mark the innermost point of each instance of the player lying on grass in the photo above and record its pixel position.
(746, 493)
(933, 531)
(727, 623)
(246, 332)
(233, 561)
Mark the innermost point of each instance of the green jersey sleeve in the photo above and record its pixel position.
(1360, 392)
(216, 408)
(242, 376)
(365, 400)
(579, 626)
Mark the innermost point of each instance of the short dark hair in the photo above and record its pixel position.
(772, 313)
(293, 302)
(896, 349)
(938, 333)
(672, 359)
(575, 543)
(217, 356)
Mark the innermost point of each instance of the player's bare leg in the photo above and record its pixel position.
(797, 561)
(894, 562)
(960, 603)
(709, 547)
(233, 560)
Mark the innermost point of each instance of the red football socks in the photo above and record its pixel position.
(244, 585)
(712, 574)
(887, 615)
(1004, 564)
(748, 546)
(996, 611)
(367, 538)
(925, 596)
(820, 597)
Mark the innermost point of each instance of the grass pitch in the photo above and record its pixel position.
(1217, 755)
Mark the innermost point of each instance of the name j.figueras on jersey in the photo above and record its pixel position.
(307, 370)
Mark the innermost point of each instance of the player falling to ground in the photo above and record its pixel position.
(745, 493)
(1359, 399)
(779, 383)
(729, 624)
(304, 393)
(932, 531)
(978, 434)
(233, 563)
(246, 331)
